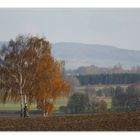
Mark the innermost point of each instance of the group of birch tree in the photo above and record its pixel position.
(29, 73)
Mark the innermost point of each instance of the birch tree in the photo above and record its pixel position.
(29, 72)
(48, 82)
(14, 72)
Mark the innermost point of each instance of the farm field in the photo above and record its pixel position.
(96, 122)
(13, 106)
(97, 87)
(60, 101)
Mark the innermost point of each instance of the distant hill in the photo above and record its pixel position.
(79, 54)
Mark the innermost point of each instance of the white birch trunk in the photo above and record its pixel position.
(26, 113)
(45, 112)
(25, 99)
(21, 105)
(21, 94)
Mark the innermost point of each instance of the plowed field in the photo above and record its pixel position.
(96, 122)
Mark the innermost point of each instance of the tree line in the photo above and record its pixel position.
(123, 100)
(124, 78)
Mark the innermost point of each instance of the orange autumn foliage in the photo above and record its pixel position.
(49, 83)
(31, 69)
(49, 108)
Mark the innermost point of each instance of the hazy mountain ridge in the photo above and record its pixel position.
(80, 54)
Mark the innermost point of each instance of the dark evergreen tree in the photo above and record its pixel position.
(78, 103)
(125, 100)
(124, 78)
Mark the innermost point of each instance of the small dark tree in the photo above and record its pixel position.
(99, 92)
(125, 101)
(78, 103)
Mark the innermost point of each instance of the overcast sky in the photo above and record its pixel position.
(117, 27)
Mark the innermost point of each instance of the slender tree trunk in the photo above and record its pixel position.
(45, 112)
(21, 106)
(25, 99)
(26, 113)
